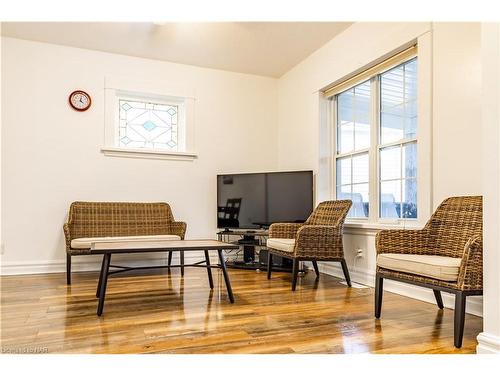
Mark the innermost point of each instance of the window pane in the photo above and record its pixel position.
(410, 125)
(410, 160)
(360, 168)
(344, 192)
(390, 199)
(343, 171)
(398, 103)
(362, 116)
(390, 163)
(353, 118)
(398, 123)
(411, 83)
(392, 105)
(345, 121)
(345, 136)
(391, 126)
(410, 69)
(359, 200)
(354, 169)
(345, 107)
(411, 79)
(410, 198)
(148, 125)
(391, 89)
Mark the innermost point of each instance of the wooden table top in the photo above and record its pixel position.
(163, 245)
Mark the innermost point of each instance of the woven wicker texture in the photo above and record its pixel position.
(320, 237)
(454, 230)
(109, 219)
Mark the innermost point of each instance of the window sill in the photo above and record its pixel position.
(148, 154)
(356, 227)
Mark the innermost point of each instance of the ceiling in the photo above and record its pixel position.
(263, 48)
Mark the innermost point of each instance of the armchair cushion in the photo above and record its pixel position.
(433, 266)
(85, 242)
(283, 244)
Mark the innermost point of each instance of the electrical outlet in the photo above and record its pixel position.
(359, 253)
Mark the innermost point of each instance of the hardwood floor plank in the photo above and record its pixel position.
(160, 312)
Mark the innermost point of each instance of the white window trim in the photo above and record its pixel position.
(327, 173)
(116, 88)
(147, 154)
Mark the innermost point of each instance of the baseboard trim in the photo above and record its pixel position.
(488, 344)
(89, 263)
(474, 303)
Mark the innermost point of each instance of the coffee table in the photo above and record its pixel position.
(134, 247)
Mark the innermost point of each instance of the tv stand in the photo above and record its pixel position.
(253, 244)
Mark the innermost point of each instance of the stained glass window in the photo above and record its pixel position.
(145, 124)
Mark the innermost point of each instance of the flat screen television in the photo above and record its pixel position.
(256, 200)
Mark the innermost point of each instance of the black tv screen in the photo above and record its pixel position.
(256, 200)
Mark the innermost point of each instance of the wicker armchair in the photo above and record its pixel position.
(446, 255)
(91, 220)
(319, 238)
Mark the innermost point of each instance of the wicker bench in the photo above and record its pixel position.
(88, 221)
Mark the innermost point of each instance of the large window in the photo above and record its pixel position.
(398, 142)
(376, 143)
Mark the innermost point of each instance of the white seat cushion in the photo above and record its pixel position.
(434, 266)
(283, 244)
(85, 242)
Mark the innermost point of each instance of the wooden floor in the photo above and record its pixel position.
(158, 312)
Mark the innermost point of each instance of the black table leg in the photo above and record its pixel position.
(104, 282)
(226, 276)
(100, 278)
(209, 270)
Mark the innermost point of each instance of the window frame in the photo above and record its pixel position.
(375, 145)
(119, 88)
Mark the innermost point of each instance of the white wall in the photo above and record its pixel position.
(489, 339)
(51, 153)
(1, 127)
(457, 135)
(456, 116)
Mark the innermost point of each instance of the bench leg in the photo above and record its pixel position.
(209, 270)
(68, 269)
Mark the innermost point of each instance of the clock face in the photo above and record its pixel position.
(80, 100)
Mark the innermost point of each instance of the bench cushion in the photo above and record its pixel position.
(283, 244)
(434, 266)
(85, 242)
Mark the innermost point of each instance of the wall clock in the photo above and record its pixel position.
(80, 100)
